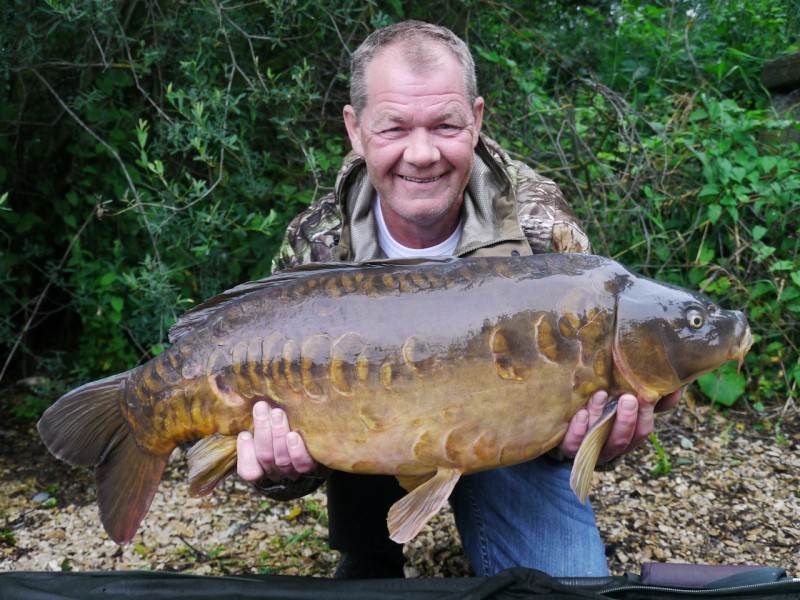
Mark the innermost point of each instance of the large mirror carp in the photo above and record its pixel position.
(422, 369)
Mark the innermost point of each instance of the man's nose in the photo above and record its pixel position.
(421, 149)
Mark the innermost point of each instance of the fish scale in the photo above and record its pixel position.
(423, 369)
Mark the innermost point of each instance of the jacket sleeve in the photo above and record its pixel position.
(291, 490)
(545, 217)
(311, 235)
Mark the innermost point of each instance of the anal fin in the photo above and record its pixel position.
(210, 461)
(586, 459)
(409, 515)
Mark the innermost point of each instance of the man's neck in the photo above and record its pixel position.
(392, 248)
(421, 235)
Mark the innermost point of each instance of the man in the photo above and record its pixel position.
(422, 181)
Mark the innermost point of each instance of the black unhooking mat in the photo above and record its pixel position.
(657, 581)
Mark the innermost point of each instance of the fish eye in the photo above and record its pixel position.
(695, 318)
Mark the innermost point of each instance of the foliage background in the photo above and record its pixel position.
(152, 152)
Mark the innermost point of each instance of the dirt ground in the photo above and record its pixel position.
(729, 493)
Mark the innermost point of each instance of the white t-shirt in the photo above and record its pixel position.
(394, 249)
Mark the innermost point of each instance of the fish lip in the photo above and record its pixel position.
(740, 350)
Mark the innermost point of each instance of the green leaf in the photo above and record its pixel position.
(705, 256)
(767, 163)
(782, 265)
(398, 8)
(117, 303)
(106, 280)
(709, 189)
(714, 212)
(725, 387)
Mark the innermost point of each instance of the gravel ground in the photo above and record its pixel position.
(731, 495)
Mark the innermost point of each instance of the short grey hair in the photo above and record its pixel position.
(415, 38)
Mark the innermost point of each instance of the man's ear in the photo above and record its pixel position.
(477, 115)
(353, 130)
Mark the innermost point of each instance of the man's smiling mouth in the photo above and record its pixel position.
(418, 180)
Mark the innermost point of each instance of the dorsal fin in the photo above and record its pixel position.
(197, 316)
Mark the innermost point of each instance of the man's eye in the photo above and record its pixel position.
(448, 129)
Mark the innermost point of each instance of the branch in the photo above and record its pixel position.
(110, 150)
(41, 298)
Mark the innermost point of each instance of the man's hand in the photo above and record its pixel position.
(272, 450)
(632, 423)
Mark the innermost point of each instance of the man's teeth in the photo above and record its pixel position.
(417, 180)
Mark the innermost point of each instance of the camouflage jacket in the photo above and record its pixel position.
(507, 207)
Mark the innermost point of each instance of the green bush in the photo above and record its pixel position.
(154, 150)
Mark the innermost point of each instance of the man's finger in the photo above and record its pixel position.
(576, 431)
(644, 424)
(262, 436)
(623, 429)
(301, 459)
(280, 429)
(597, 402)
(246, 462)
(670, 401)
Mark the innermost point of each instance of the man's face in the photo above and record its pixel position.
(417, 134)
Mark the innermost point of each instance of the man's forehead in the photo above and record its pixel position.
(397, 90)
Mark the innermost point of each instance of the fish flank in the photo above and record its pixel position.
(290, 365)
(314, 366)
(386, 375)
(345, 353)
(255, 377)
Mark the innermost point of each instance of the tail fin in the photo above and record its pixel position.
(86, 428)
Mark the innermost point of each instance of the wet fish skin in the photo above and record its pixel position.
(420, 369)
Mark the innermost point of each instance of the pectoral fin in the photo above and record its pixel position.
(410, 514)
(585, 461)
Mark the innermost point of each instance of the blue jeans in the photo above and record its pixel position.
(527, 515)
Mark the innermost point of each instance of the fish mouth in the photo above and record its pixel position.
(739, 350)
